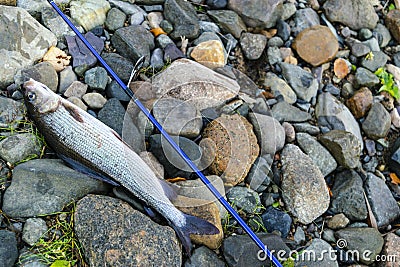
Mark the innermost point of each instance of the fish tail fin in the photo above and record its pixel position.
(194, 225)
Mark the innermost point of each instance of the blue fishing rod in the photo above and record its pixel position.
(182, 154)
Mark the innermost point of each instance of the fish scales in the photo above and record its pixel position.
(86, 143)
(101, 147)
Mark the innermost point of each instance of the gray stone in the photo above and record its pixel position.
(258, 176)
(348, 196)
(115, 19)
(34, 229)
(304, 189)
(120, 65)
(67, 77)
(362, 240)
(329, 235)
(163, 41)
(289, 9)
(173, 164)
(283, 111)
(96, 78)
(89, 13)
(364, 34)
(384, 34)
(43, 186)
(204, 255)
(168, 28)
(34, 7)
(305, 18)
(274, 55)
(113, 233)
(114, 90)
(154, 19)
(253, 45)
(378, 61)
(157, 59)
(43, 72)
(153, 163)
(133, 42)
(244, 199)
(206, 36)
(344, 147)
(187, 80)
(356, 14)
(276, 220)
(306, 128)
(299, 235)
(262, 13)
(301, 81)
(207, 26)
(289, 132)
(131, 134)
(269, 132)
(246, 84)
(81, 55)
(331, 113)
(229, 21)
(18, 147)
(8, 248)
(196, 189)
(128, 8)
(377, 123)
(52, 21)
(240, 250)
(338, 221)
(112, 114)
(373, 44)
(11, 112)
(76, 89)
(275, 41)
(94, 100)
(318, 153)
(359, 49)
(183, 17)
(321, 255)
(24, 41)
(383, 205)
(178, 117)
(280, 87)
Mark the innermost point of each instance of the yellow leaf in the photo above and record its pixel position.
(157, 31)
(56, 57)
(394, 178)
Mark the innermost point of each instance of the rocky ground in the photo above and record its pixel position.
(290, 107)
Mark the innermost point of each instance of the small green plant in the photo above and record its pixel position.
(391, 7)
(61, 247)
(388, 83)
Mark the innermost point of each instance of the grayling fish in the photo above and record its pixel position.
(90, 146)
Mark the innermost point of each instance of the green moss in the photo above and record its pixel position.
(388, 83)
(61, 247)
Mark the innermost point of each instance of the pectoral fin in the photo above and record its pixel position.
(85, 170)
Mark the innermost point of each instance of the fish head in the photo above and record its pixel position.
(39, 97)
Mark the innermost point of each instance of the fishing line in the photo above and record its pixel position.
(182, 154)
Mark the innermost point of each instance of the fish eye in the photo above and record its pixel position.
(31, 96)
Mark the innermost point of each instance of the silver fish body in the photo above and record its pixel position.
(76, 135)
